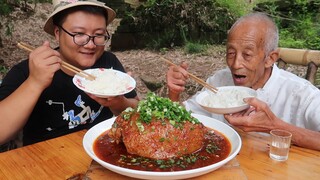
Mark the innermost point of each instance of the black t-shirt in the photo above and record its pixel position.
(62, 108)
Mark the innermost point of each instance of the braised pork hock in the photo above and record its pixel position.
(158, 129)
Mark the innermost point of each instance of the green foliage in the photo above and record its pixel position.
(158, 40)
(169, 23)
(288, 40)
(238, 7)
(194, 48)
(298, 22)
(5, 8)
(3, 69)
(9, 29)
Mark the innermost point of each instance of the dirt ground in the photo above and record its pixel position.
(145, 65)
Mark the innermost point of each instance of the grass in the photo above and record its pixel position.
(3, 70)
(195, 48)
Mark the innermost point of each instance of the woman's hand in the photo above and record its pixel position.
(43, 63)
(116, 104)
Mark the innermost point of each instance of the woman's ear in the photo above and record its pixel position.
(272, 58)
(56, 32)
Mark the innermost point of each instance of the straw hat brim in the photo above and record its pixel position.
(48, 27)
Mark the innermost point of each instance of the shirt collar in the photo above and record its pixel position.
(273, 78)
(270, 86)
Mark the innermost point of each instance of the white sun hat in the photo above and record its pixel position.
(60, 5)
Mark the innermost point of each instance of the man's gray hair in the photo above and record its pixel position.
(271, 36)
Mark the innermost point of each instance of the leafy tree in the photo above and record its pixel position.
(167, 23)
(298, 22)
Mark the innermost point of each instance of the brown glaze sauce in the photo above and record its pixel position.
(216, 148)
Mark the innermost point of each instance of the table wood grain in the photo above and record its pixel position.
(256, 164)
(65, 158)
(58, 158)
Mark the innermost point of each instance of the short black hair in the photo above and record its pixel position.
(60, 17)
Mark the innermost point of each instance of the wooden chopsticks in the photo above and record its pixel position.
(198, 80)
(64, 64)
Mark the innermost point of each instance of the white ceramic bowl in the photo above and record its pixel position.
(234, 138)
(120, 84)
(228, 100)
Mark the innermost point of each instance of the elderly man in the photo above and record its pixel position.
(284, 100)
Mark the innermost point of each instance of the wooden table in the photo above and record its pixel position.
(64, 158)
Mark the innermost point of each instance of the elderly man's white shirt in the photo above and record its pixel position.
(291, 98)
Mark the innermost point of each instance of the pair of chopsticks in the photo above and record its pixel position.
(198, 80)
(64, 64)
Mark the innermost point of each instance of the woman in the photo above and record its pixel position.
(38, 95)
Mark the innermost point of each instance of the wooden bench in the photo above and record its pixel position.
(308, 58)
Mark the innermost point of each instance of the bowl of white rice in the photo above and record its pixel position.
(228, 99)
(108, 82)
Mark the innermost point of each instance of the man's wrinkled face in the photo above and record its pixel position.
(246, 56)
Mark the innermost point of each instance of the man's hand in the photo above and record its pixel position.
(176, 80)
(258, 117)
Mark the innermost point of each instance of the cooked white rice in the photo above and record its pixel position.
(107, 81)
(226, 98)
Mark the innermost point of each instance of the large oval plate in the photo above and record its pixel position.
(121, 84)
(234, 138)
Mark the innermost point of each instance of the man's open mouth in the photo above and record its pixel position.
(239, 79)
(239, 76)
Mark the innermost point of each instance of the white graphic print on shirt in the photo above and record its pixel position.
(80, 118)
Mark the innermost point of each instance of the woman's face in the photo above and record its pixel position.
(84, 23)
(246, 58)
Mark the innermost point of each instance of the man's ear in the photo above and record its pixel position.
(272, 58)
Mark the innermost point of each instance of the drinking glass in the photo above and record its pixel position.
(280, 144)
